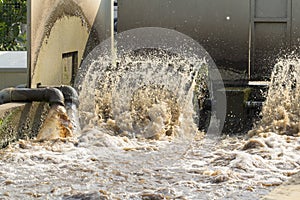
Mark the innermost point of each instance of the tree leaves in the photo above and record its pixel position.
(12, 19)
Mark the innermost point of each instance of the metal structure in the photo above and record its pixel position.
(241, 36)
(244, 38)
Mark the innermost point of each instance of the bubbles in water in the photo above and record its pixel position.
(280, 112)
(149, 93)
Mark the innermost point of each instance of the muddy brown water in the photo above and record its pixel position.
(108, 160)
(98, 165)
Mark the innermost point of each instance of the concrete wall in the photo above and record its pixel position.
(20, 121)
(63, 32)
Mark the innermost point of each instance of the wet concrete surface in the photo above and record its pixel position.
(20, 121)
(287, 191)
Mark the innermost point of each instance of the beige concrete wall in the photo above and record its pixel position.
(21, 121)
(64, 26)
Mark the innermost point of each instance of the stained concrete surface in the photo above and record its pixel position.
(20, 121)
(287, 191)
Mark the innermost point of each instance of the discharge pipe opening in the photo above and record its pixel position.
(62, 119)
(61, 95)
(71, 105)
(70, 95)
(56, 124)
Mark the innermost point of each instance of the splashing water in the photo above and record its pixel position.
(280, 112)
(151, 90)
(139, 141)
(146, 95)
(56, 125)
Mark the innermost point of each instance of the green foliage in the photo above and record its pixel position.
(12, 18)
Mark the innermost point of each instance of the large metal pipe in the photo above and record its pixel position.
(51, 95)
(70, 95)
(71, 105)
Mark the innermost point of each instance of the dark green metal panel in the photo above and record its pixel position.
(271, 35)
(271, 8)
(221, 26)
(244, 35)
(295, 28)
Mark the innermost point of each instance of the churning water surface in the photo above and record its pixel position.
(139, 140)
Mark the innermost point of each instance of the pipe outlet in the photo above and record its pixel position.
(70, 95)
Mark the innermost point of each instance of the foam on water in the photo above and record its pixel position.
(280, 112)
(99, 165)
(139, 139)
(144, 95)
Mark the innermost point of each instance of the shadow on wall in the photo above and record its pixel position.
(21, 121)
(100, 29)
(63, 32)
